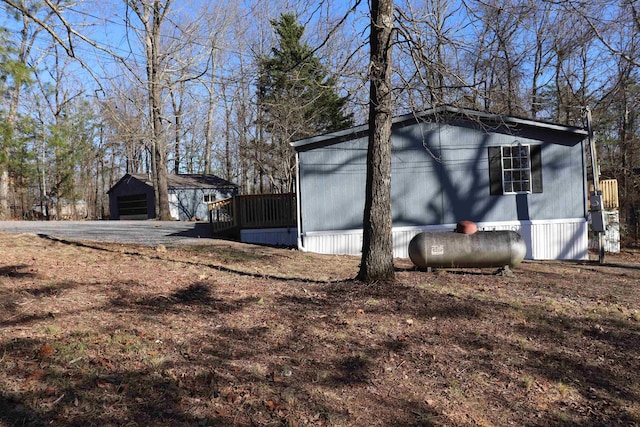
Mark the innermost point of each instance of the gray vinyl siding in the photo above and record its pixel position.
(416, 185)
(440, 175)
(189, 202)
(332, 185)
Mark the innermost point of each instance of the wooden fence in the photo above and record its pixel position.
(609, 188)
(252, 211)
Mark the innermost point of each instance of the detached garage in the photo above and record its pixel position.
(132, 197)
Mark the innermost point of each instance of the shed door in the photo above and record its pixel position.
(133, 207)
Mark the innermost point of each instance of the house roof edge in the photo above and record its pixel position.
(361, 130)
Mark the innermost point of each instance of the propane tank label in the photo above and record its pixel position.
(437, 250)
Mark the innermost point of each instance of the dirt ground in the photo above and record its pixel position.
(227, 334)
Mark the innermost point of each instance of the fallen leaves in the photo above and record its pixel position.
(260, 351)
(35, 376)
(271, 405)
(45, 351)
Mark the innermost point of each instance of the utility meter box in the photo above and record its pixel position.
(597, 222)
(597, 215)
(595, 201)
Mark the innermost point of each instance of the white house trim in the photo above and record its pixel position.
(545, 239)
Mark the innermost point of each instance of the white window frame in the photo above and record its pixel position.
(515, 161)
(211, 197)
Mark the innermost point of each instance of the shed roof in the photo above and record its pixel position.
(433, 115)
(182, 181)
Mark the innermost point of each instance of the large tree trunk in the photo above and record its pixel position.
(155, 106)
(377, 244)
(151, 13)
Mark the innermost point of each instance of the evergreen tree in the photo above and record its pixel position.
(14, 74)
(297, 99)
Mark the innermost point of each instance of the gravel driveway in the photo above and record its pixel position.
(149, 233)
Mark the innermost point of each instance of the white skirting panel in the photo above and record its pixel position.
(552, 239)
(270, 236)
(336, 243)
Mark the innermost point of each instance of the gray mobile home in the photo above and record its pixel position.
(449, 165)
(132, 197)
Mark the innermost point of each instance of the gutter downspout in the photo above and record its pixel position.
(298, 205)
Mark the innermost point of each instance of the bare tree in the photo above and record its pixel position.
(210, 87)
(125, 129)
(427, 50)
(219, 22)
(602, 20)
(498, 54)
(542, 21)
(152, 14)
(250, 172)
(377, 245)
(177, 94)
(618, 121)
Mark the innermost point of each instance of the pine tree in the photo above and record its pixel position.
(13, 75)
(297, 98)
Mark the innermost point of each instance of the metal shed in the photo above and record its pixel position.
(449, 165)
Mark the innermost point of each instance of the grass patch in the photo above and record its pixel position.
(51, 330)
(527, 382)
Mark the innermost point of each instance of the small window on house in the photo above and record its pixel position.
(515, 169)
(209, 198)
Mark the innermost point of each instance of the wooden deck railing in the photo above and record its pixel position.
(253, 211)
(221, 215)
